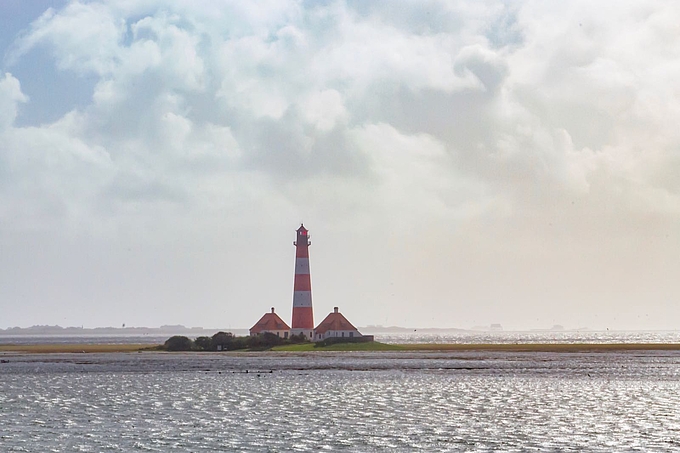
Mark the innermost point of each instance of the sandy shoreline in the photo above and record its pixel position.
(495, 347)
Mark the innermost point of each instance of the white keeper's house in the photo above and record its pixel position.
(335, 325)
(271, 323)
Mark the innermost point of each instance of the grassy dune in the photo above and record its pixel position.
(309, 347)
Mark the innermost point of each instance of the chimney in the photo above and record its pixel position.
(335, 309)
(272, 309)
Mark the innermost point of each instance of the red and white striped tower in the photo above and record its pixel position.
(303, 314)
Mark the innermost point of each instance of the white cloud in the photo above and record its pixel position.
(413, 170)
(52, 176)
(10, 96)
(84, 37)
(324, 109)
(484, 123)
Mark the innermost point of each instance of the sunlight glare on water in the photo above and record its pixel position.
(356, 402)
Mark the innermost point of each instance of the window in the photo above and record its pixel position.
(351, 334)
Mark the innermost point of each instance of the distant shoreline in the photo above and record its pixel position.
(56, 331)
(309, 348)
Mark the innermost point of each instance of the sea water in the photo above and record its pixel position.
(414, 336)
(389, 401)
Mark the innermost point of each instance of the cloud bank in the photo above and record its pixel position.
(461, 163)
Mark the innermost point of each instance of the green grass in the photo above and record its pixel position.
(370, 346)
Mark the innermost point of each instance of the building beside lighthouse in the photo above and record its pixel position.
(335, 325)
(303, 313)
(270, 323)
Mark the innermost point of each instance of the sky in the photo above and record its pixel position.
(458, 163)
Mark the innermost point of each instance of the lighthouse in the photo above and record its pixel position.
(303, 314)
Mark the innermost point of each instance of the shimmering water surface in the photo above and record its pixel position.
(541, 336)
(415, 336)
(396, 401)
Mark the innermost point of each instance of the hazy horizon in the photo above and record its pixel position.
(364, 329)
(457, 163)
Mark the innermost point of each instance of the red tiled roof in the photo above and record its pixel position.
(270, 321)
(334, 321)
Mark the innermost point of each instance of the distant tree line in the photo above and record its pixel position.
(226, 341)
